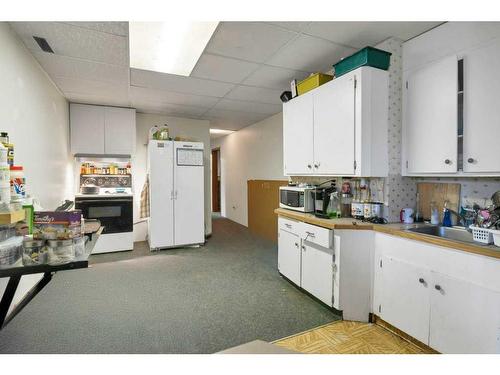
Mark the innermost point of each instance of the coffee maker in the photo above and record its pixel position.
(321, 197)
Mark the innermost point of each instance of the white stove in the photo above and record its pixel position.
(113, 207)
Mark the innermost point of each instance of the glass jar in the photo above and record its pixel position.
(61, 251)
(34, 252)
(345, 205)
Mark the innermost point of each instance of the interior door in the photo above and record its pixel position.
(482, 109)
(430, 123)
(404, 300)
(298, 135)
(464, 318)
(289, 256)
(161, 187)
(334, 127)
(317, 271)
(189, 196)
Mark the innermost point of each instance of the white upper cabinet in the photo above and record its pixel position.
(334, 127)
(340, 128)
(298, 136)
(119, 131)
(100, 130)
(451, 115)
(87, 129)
(482, 109)
(430, 118)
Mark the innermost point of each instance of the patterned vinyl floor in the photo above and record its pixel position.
(345, 337)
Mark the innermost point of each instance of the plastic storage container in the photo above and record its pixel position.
(312, 82)
(34, 252)
(79, 245)
(7, 231)
(61, 251)
(10, 252)
(368, 56)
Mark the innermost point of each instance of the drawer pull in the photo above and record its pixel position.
(421, 281)
(288, 225)
(438, 287)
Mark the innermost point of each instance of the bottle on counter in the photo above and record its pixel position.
(434, 213)
(4, 137)
(129, 168)
(17, 183)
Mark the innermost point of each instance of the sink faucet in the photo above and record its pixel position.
(461, 218)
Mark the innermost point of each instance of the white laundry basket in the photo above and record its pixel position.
(482, 235)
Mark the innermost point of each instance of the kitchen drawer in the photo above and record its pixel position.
(289, 225)
(317, 235)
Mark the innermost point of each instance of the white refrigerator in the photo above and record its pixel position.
(176, 194)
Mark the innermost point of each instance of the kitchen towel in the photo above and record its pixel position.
(145, 199)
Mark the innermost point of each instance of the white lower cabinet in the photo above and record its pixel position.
(289, 255)
(447, 299)
(464, 317)
(404, 300)
(317, 271)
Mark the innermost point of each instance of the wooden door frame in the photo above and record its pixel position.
(216, 206)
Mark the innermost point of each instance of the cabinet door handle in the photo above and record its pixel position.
(438, 287)
(470, 160)
(309, 166)
(296, 245)
(288, 225)
(447, 161)
(303, 248)
(421, 281)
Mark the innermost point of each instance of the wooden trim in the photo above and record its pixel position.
(382, 323)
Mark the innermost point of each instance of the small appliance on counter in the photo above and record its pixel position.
(297, 198)
(322, 200)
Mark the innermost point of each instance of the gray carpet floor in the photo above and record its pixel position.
(192, 300)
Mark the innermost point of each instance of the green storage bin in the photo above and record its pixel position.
(367, 56)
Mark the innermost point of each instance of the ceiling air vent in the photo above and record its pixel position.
(44, 45)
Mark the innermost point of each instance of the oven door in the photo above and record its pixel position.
(292, 199)
(115, 214)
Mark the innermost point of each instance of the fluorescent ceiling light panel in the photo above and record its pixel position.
(169, 47)
(221, 131)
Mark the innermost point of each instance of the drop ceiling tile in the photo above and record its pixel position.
(223, 69)
(95, 88)
(297, 26)
(224, 114)
(246, 106)
(72, 41)
(110, 27)
(274, 77)
(255, 94)
(171, 82)
(251, 41)
(362, 34)
(149, 106)
(62, 66)
(144, 94)
(117, 100)
(310, 54)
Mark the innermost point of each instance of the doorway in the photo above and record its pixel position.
(216, 180)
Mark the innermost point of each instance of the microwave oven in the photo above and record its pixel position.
(297, 198)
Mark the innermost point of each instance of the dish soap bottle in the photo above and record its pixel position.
(446, 215)
(434, 214)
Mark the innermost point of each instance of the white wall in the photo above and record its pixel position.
(36, 116)
(195, 130)
(252, 153)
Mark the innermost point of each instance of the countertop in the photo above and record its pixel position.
(395, 229)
